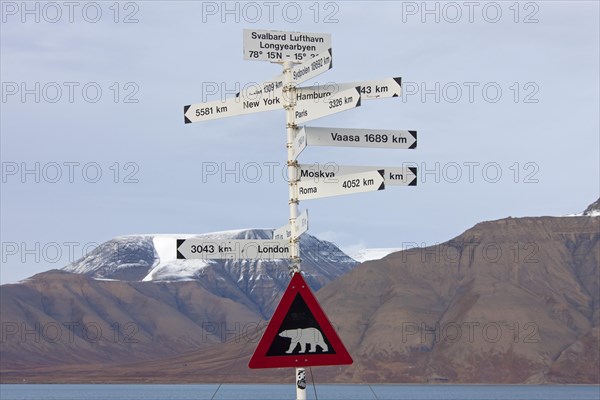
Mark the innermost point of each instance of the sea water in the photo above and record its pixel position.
(284, 392)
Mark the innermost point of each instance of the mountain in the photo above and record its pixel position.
(130, 299)
(515, 300)
(593, 210)
(257, 284)
(57, 318)
(510, 301)
(500, 303)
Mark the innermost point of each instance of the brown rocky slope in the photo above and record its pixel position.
(508, 301)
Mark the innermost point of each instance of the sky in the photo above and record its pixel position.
(504, 96)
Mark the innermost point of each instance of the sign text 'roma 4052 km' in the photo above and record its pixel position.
(368, 181)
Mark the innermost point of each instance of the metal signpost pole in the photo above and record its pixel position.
(289, 103)
(289, 98)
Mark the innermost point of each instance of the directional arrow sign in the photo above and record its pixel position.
(271, 88)
(265, 45)
(299, 144)
(211, 110)
(316, 94)
(270, 96)
(342, 184)
(377, 89)
(248, 103)
(285, 232)
(263, 97)
(312, 67)
(348, 137)
(343, 100)
(233, 249)
(394, 176)
(369, 90)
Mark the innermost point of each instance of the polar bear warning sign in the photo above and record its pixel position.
(299, 333)
(308, 338)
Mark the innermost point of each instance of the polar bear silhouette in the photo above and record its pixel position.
(308, 336)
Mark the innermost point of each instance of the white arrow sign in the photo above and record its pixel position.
(299, 143)
(369, 90)
(343, 100)
(377, 89)
(285, 232)
(211, 110)
(265, 45)
(330, 172)
(342, 184)
(351, 137)
(233, 249)
(316, 94)
(270, 96)
(264, 98)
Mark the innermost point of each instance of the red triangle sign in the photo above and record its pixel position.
(299, 333)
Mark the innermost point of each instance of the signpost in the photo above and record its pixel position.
(299, 333)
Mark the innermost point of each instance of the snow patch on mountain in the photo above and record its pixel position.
(593, 210)
(179, 270)
(122, 258)
(154, 258)
(592, 213)
(373, 254)
(256, 284)
(169, 268)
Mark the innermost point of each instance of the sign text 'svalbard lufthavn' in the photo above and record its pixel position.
(266, 45)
